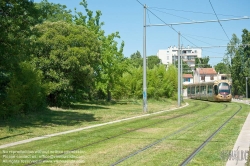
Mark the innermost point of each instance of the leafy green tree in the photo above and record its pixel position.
(185, 68)
(111, 67)
(222, 68)
(153, 61)
(202, 62)
(232, 48)
(237, 57)
(136, 59)
(17, 18)
(113, 64)
(67, 55)
(26, 92)
(53, 12)
(237, 73)
(160, 83)
(136, 55)
(246, 57)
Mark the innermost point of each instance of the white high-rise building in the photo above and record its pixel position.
(188, 54)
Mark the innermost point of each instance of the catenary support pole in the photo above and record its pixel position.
(246, 90)
(145, 109)
(179, 75)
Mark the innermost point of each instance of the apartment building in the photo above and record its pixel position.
(188, 54)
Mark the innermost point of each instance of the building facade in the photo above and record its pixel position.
(205, 75)
(188, 54)
(187, 79)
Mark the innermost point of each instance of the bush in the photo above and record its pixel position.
(25, 92)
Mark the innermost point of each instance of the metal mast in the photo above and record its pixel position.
(145, 109)
(179, 72)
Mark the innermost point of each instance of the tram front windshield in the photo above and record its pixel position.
(224, 88)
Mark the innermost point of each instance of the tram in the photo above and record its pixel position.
(212, 91)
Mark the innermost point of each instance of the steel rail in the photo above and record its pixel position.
(191, 156)
(118, 135)
(166, 137)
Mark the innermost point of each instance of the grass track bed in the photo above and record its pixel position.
(143, 132)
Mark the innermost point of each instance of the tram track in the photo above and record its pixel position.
(197, 150)
(197, 109)
(166, 137)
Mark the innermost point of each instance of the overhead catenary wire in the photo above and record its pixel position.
(166, 23)
(194, 45)
(149, 18)
(171, 25)
(219, 20)
(173, 15)
(192, 11)
(199, 40)
(204, 37)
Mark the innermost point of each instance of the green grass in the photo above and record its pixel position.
(53, 120)
(116, 142)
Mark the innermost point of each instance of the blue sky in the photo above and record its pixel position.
(126, 17)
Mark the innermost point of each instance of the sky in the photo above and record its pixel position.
(126, 17)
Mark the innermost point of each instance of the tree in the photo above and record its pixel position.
(136, 59)
(232, 48)
(53, 12)
(185, 68)
(202, 62)
(67, 55)
(162, 82)
(153, 61)
(222, 68)
(136, 55)
(237, 58)
(113, 64)
(17, 19)
(26, 91)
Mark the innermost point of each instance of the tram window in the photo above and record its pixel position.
(204, 90)
(215, 89)
(197, 89)
(209, 89)
(193, 90)
(224, 88)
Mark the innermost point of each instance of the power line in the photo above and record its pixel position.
(148, 18)
(214, 52)
(139, 2)
(171, 27)
(166, 23)
(173, 15)
(219, 20)
(205, 37)
(200, 40)
(192, 11)
(199, 22)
